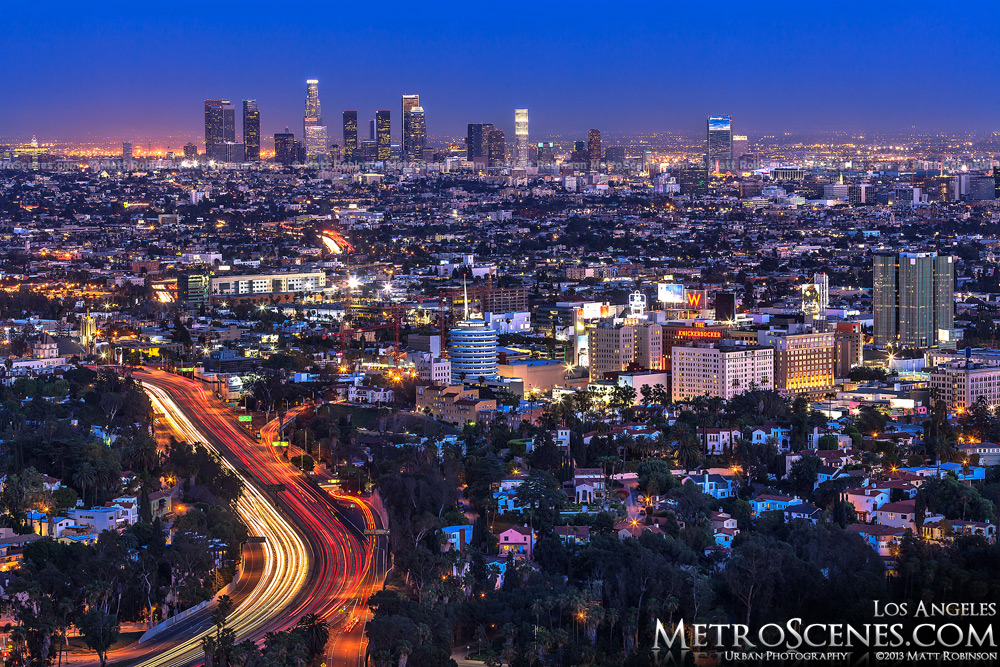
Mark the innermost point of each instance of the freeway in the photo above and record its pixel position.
(341, 567)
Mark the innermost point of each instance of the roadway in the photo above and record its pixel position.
(338, 568)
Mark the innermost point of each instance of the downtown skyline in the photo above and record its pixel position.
(896, 72)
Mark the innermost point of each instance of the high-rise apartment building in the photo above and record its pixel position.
(720, 370)
(383, 135)
(251, 130)
(313, 131)
(350, 135)
(615, 347)
(477, 140)
(414, 129)
(850, 347)
(190, 151)
(720, 143)
(914, 299)
(520, 138)
(594, 148)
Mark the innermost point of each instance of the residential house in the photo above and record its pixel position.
(518, 540)
(369, 394)
(866, 501)
(634, 528)
(456, 538)
(716, 441)
(573, 535)
(947, 529)
(803, 510)
(588, 485)
(766, 502)
(883, 539)
(717, 486)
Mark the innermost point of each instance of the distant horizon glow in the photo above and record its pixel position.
(94, 73)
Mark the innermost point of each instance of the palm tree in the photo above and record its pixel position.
(317, 633)
(85, 476)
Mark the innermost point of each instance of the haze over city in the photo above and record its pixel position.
(117, 69)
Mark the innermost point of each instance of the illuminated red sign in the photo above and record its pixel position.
(694, 299)
(699, 333)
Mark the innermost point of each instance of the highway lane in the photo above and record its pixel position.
(344, 570)
(283, 576)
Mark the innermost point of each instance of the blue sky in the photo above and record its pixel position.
(141, 69)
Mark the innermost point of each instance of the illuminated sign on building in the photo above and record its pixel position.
(695, 299)
(698, 333)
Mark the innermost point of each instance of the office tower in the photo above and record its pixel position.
(229, 123)
(284, 148)
(194, 289)
(497, 148)
(862, 193)
(127, 151)
(371, 129)
(725, 306)
(594, 148)
(190, 151)
(739, 145)
(416, 135)
(579, 154)
(383, 135)
(350, 135)
(215, 124)
(413, 140)
(720, 143)
(546, 152)
(472, 348)
(251, 130)
(982, 188)
(615, 155)
(913, 298)
(477, 140)
(313, 131)
(520, 138)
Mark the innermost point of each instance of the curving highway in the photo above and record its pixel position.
(335, 570)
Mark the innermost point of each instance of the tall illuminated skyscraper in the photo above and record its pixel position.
(594, 148)
(251, 130)
(215, 124)
(284, 147)
(520, 138)
(127, 153)
(720, 143)
(416, 130)
(314, 132)
(412, 149)
(383, 135)
(350, 135)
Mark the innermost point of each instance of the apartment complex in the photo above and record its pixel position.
(849, 347)
(720, 370)
(803, 362)
(616, 347)
(960, 384)
(453, 404)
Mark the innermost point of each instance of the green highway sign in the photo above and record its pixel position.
(246, 418)
(280, 443)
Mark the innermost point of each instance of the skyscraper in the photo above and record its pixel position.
(284, 147)
(497, 148)
(720, 143)
(520, 138)
(410, 151)
(215, 122)
(251, 130)
(594, 148)
(476, 140)
(350, 135)
(914, 299)
(313, 130)
(229, 123)
(416, 131)
(127, 153)
(383, 135)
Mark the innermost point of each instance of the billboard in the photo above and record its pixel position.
(812, 299)
(670, 293)
(720, 123)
